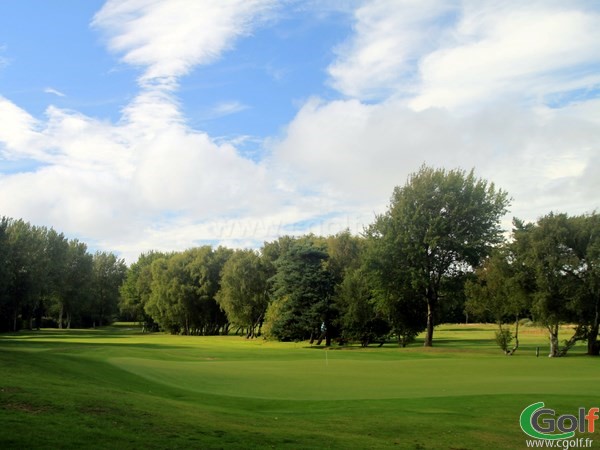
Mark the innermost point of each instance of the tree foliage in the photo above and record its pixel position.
(45, 276)
(303, 285)
(244, 292)
(438, 225)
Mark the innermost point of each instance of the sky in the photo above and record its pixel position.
(138, 125)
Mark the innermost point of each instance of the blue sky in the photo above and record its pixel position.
(138, 124)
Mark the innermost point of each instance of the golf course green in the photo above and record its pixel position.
(115, 388)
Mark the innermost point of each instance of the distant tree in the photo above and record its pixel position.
(584, 240)
(563, 253)
(5, 274)
(501, 291)
(439, 225)
(303, 289)
(183, 290)
(108, 275)
(27, 270)
(137, 288)
(57, 253)
(76, 298)
(358, 318)
(244, 291)
(206, 267)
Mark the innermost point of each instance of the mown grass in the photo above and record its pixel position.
(117, 388)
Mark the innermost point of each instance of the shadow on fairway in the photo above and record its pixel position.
(67, 345)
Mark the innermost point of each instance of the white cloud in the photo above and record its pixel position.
(168, 38)
(528, 50)
(446, 84)
(115, 184)
(357, 153)
(389, 37)
(456, 54)
(53, 91)
(18, 130)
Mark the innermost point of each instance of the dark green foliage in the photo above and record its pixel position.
(303, 286)
(46, 278)
(136, 289)
(108, 276)
(359, 320)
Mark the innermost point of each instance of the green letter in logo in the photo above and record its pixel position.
(529, 423)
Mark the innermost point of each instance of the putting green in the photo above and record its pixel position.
(337, 378)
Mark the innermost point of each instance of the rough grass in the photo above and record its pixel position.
(117, 388)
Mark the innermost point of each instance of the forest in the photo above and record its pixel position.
(437, 255)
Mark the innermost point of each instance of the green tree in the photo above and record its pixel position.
(137, 288)
(303, 289)
(183, 290)
(439, 225)
(358, 318)
(108, 276)
(501, 291)
(244, 291)
(584, 239)
(27, 270)
(206, 267)
(57, 253)
(76, 297)
(5, 275)
(563, 253)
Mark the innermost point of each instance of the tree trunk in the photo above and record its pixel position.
(593, 348)
(553, 335)
(430, 321)
(516, 346)
(60, 316)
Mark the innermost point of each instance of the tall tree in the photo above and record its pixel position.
(501, 291)
(27, 267)
(563, 252)
(244, 292)
(359, 320)
(439, 225)
(108, 275)
(137, 288)
(584, 239)
(303, 289)
(5, 275)
(76, 298)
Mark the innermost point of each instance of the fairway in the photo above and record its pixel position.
(118, 388)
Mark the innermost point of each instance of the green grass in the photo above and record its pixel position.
(117, 388)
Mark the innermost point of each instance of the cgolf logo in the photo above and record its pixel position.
(542, 423)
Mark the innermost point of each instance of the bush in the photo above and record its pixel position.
(504, 338)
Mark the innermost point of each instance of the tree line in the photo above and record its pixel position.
(49, 280)
(438, 254)
(403, 275)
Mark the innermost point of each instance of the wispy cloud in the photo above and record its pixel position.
(53, 91)
(226, 108)
(167, 39)
(459, 54)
